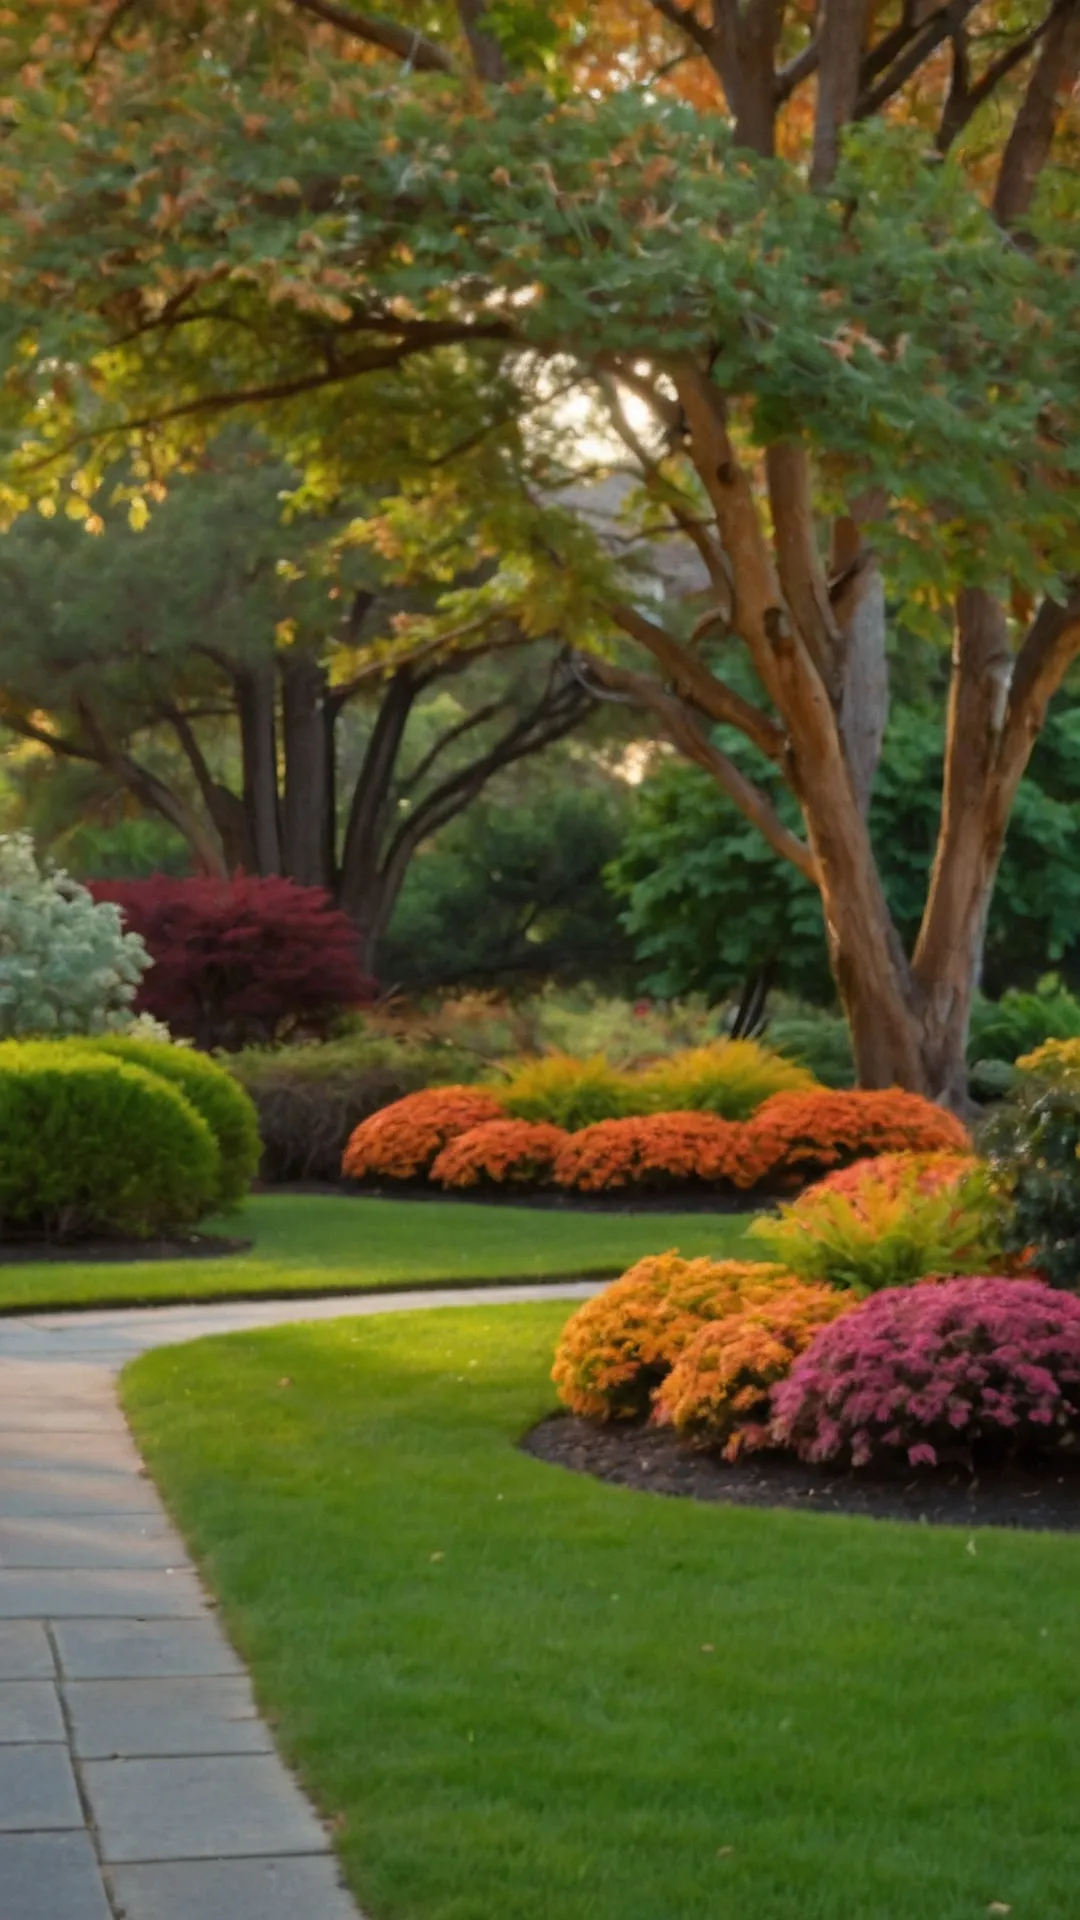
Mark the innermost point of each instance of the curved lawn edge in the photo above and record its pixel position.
(347, 1290)
(318, 1247)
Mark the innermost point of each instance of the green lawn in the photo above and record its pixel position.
(525, 1695)
(326, 1244)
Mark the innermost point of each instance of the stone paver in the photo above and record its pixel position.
(234, 1890)
(199, 1808)
(143, 1649)
(133, 1717)
(104, 1541)
(116, 1681)
(52, 1876)
(37, 1790)
(25, 1653)
(29, 1711)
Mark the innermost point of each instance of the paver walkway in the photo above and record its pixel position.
(137, 1781)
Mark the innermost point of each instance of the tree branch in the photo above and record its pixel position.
(408, 44)
(685, 733)
(1028, 146)
(694, 683)
(930, 35)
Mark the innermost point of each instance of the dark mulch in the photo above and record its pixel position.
(186, 1246)
(651, 1460)
(688, 1201)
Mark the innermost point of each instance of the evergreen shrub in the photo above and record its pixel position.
(90, 1144)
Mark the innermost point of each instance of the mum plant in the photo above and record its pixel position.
(973, 1369)
(403, 1140)
(616, 1349)
(658, 1151)
(501, 1153)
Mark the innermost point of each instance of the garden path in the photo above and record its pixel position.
(137, 1780)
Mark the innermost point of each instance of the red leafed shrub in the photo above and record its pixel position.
(501, 1153)
(402, 1141)
(239, 962)
(796, 1136)
(977, 1369)
(717, 1392)
(896, 1173)
(654, 1150)
(614, 1351)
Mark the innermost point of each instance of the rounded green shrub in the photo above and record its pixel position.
(228, 1111)
(95, 1145)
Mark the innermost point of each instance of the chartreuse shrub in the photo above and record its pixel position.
(615, 1350)
(731, 1078)
(974, 1369)
(862, 1230)
(226, 1108)
(718, 1391)
(402, 1141)
(90, 1144)
(566, 1092)
(501, 1153)
(66, 964)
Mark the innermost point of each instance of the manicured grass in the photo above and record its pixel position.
(323, 1244)
(523, 1694)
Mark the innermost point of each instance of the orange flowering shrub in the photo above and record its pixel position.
(717, 1392)
(797, 1135)
(501, 1153)
(649, 1150)
(895, 1173)
(401, 1141)
(615, 1350)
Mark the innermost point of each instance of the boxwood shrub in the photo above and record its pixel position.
(90, 1144)
(228, 1111)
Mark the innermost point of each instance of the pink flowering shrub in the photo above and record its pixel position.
(973, 1368)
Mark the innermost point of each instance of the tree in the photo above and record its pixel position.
(512, 893)
(199, 663)
(856, 379)
(709, 905)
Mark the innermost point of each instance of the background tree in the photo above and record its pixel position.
(859, 378)
(202, 665)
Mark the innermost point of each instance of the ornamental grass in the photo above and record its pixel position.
(402, 1141)
(616, 1349)
(501, 1153)
(717, 1393)
(653, 1151)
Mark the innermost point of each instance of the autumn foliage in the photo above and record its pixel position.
(797, 1136)
(501, 1153)
(617, 1348)
(402, 1141)
(657, 1150)
(238, 962)
(895, 1173)
(975, 1369)
(717, 1392)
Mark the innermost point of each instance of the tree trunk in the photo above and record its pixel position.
(307, 835)
(255, 704)
(359, 882)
